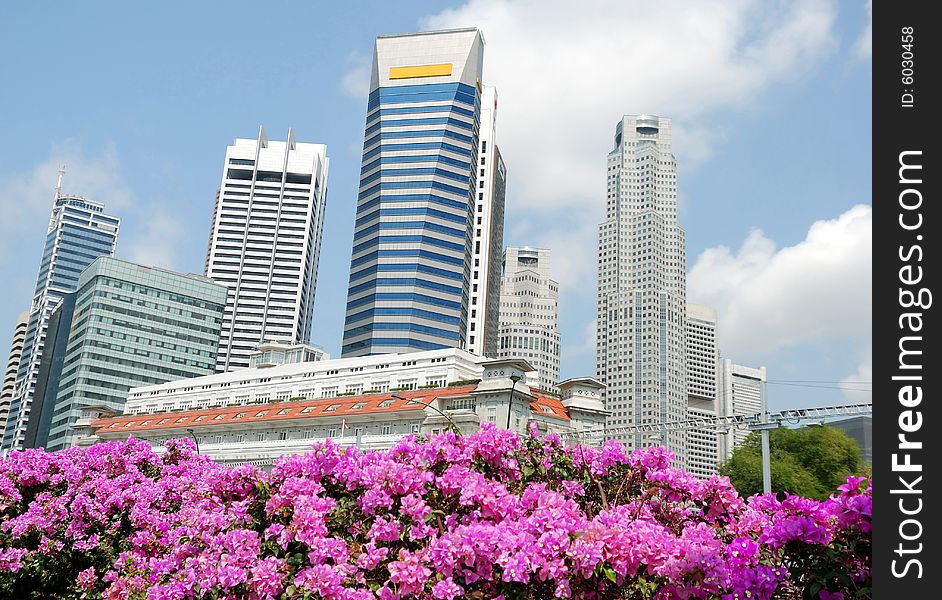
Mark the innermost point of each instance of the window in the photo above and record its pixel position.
(332, 408)
(331, 433)
(386, 403)
(387, 429)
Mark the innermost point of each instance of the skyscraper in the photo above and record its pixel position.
(529, 312)
(411, 264)
(265, 242)
(702, 360)
(740, 393)
(132, 325)
(641, 288)
(9, 375)
(488, 236)
(79, 232)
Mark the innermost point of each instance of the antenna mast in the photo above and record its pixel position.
(59, 181)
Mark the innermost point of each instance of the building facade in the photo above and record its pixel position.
(529, 312)
(334, 378)
(50, 370)
(702, 359)
(242, 434)
(133, 325)
(859, 429)
(488, 236)
(79, 232)
(13, 361)
(740, 392)
(640, 350)
(265, 242)
(411, 264)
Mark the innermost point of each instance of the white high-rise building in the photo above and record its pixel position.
(265, 242)
(740, 393)
(640, 352)
(488, 235)
(702, 359)
(9, 375)
(529, 312)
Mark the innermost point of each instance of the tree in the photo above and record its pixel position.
(809, 461)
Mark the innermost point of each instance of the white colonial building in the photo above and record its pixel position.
(265, 429)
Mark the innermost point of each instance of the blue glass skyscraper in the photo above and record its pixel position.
(412, 245)
(79, 232)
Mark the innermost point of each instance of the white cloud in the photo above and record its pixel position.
(857, 388)
(566, 76)
(157, 243)
(26, 197)
(356, 79)
(864, 46)
(769, 299)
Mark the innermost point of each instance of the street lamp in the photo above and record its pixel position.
(514, 379)
(195, 441)
(433, 407)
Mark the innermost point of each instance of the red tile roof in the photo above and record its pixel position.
(280, 411)
(308, 409)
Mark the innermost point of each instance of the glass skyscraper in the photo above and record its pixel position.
(132, 326)
(79, 232)
(410, 271)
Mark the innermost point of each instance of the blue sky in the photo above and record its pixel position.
(771, 104)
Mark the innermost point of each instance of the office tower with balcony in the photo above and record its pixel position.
(529, 312)
(702, 360)
(411, 265)
(13, 361)
(79, 231)
(131, 326)
(641, 319)
(740, 392)
(265, 242)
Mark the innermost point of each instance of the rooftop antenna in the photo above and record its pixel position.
(59, 181)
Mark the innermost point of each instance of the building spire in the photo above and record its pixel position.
(59, 181)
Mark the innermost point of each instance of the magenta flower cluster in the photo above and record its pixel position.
(490, 515)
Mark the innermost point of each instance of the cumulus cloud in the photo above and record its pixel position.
(864, 46)
(857, 388)
(356, 78)
(156, 243)
(26, 197)
(770, 298)
(566, 76)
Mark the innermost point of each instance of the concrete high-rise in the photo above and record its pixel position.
(131, 326)
(702, 357)
(79, 231)
(411, 265)
(488, 236)
(9, 375)
(529, 312)
(740, 393)
(640, 351)
(265, 242)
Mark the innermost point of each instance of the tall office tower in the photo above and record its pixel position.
(9, 376)
(79, 232)
(702, 357)
(740, 393)
(265, 242)
(132, 326)
(641, 289)
(488, 237)
(529, 312)
(411, 266)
